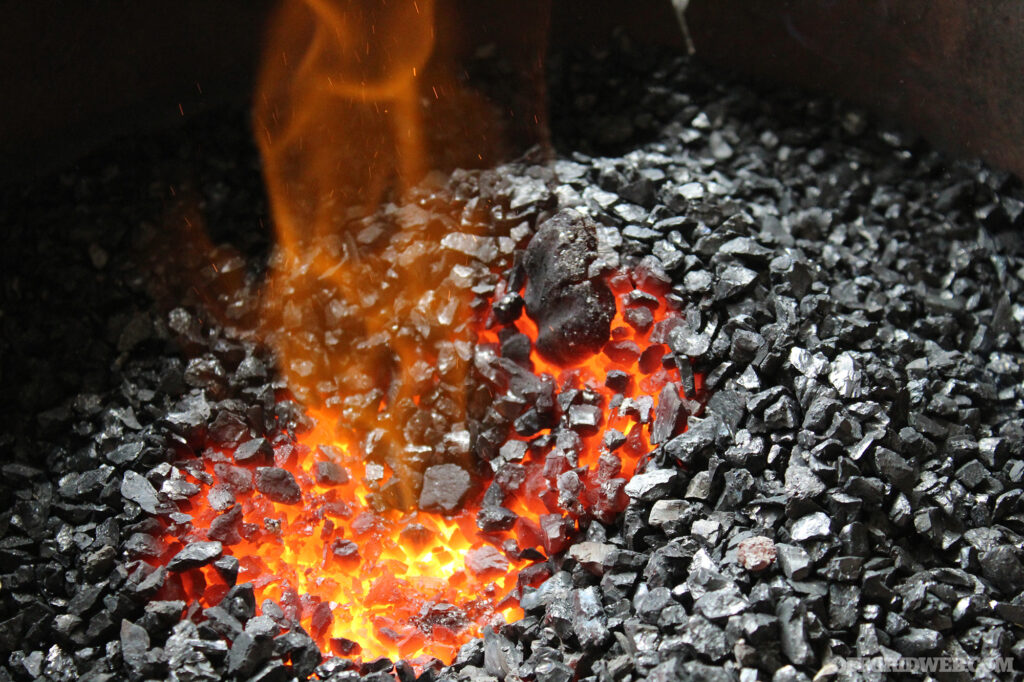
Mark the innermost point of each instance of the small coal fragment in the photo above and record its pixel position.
(555, 533)
(194, 555)
(652, 485)
(795, 645)
(793, 560)
(816, 525)
(573, 309)
(617, 380)
(585, 419)
(1003, 568)
(444, 488)
(136, 488)
(134, 647)
(227, 566)
(221, 497)
(257, 450)
(331, 473)
(486, 561)
(669, 415)
(492, 518)
(613, 439)
(248, 653)
(592, 555)
(589, 621)
(508, 308)
(278, 484)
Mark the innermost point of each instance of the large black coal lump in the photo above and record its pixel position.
(573, 309)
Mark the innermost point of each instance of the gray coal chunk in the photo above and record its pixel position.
(255, 450)
(220, 497)
(331, 473)
(501, 657)
(248, 653)
(134, 645)
(572, 309)
(650, 606)
(793, 630)
(794, 560)
(733, 280)
(585, 419)
(699, 440)
(667, 511)
(184, 657)
(718, 605)
(895, 469)
(278, 484)
(492, 518)
(191, 412)
(652, 485)
(486, 561)
(919, 642)
(812, 526)
(1003, 568)
(589, 619)
(592, 556)
(136, 488)
(194, 555)
(300, 648)
(802, 483)
(706, 638)
(444, 487)
(669, 415)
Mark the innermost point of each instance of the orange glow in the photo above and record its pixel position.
(403, 564)
(368, 309)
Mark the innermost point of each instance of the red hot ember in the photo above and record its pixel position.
(298, 516)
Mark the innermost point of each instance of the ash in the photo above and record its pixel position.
(853, 488)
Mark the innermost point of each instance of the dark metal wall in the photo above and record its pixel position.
(952, 70)
(73, 74)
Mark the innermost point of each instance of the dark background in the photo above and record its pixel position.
(76, 74)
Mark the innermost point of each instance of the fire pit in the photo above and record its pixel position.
(725, 383)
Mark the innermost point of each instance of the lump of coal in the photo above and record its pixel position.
(194, 555)
(331, 473)
(486, 561)
(278, 484)
(572, 309)
(444, 487)
(255, 450)
(136, 488)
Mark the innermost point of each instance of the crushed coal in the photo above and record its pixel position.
(853, 487)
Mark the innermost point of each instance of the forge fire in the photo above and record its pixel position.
(306, 520)
(701, 382)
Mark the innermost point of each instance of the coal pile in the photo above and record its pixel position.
(852, 487)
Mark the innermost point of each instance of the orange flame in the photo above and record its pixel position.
(404, 586)
(374, 333)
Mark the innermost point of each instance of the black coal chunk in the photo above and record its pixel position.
(255, 450)
(486, 561)
(247, 653)
(573, 309)
(331, 473)
(444, 487)
(194, 555)
(278, 484)
(493, 518)
(136, 488)
(1003, 569)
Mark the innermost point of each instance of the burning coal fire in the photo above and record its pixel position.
(299, 516)
(459, 427)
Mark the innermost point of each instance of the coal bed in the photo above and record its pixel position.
(828, 469)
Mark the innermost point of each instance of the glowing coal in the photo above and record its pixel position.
(318, 541)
